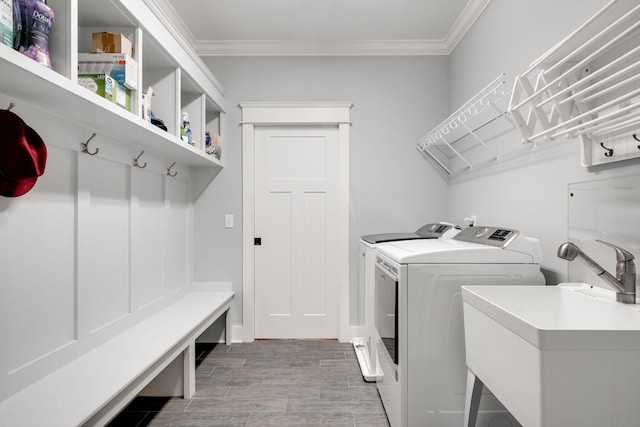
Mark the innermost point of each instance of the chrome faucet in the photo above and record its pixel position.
(624, 282)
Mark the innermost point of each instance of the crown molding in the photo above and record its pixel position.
(167, 15)
(295, 104)
(468, 16)
(465, 21)
(320, 48)
(172, 20)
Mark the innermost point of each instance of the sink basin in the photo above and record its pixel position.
(567, 316)
(563, 355)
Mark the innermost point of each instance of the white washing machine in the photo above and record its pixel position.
(420, 345)
(365, 350)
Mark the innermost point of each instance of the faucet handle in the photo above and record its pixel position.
(621, 254)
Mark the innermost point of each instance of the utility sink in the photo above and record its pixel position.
(566, 355)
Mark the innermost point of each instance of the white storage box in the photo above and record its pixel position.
(120, 66)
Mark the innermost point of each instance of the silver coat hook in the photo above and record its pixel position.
(136, 162)
(609, 151)
(169, 170)
(84, 147)
(11, 105)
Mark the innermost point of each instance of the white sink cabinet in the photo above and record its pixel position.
(563, 355)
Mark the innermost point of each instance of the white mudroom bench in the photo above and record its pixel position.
(94, 387)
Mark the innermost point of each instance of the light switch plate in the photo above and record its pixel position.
(228, 221)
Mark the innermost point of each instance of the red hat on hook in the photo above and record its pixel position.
(23, 155)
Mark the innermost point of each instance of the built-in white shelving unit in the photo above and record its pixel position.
(112, 225)
(180, 80)
(587, 86)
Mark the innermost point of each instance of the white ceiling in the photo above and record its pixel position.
(321, 27)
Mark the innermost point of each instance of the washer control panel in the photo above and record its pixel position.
(493, 236)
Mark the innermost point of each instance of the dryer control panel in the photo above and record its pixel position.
(492, 236)
(438, 230)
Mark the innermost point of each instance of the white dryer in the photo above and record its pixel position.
(419, 331)
(365, 351)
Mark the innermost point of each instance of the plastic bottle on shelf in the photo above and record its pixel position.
(183, 134)
(6, 22)
(32, 24)
(207, 142)
(186, 125)
(212, 144)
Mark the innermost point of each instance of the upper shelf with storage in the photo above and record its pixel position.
(179, 80)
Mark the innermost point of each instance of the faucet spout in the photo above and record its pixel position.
(625, 280)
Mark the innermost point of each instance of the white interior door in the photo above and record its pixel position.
(296, 218)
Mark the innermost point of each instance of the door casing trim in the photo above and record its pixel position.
(257, 114)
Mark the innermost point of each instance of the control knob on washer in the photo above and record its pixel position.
(481, 231)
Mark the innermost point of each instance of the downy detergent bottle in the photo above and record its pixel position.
(32, 23)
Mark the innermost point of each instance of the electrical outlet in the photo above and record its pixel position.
(228, 221)
(472, 220)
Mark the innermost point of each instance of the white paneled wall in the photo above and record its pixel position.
(95, 247)
(176, 227)
(37, 260)
(147, 207)
(103, 243)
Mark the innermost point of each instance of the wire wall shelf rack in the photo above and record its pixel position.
(454, 143)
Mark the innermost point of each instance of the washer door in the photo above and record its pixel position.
(386, 341)
(386, 310)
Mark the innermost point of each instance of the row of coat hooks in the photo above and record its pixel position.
(84, 147)
(609, 151)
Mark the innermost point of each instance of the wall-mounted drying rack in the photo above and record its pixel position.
(460, 133)
(587, 86)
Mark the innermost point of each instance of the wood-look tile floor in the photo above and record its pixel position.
(268, 383)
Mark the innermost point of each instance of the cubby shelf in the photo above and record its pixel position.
(183, 80)
(49, 91)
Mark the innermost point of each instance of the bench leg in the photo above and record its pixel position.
(227, 326)
(189, 375)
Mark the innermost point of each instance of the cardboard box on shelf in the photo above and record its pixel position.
(107, 87)
(111, 43)
(120, 66)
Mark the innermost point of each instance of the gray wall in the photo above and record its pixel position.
(396, 100)
(529, 194)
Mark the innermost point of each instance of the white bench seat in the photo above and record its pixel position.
(93, 388)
